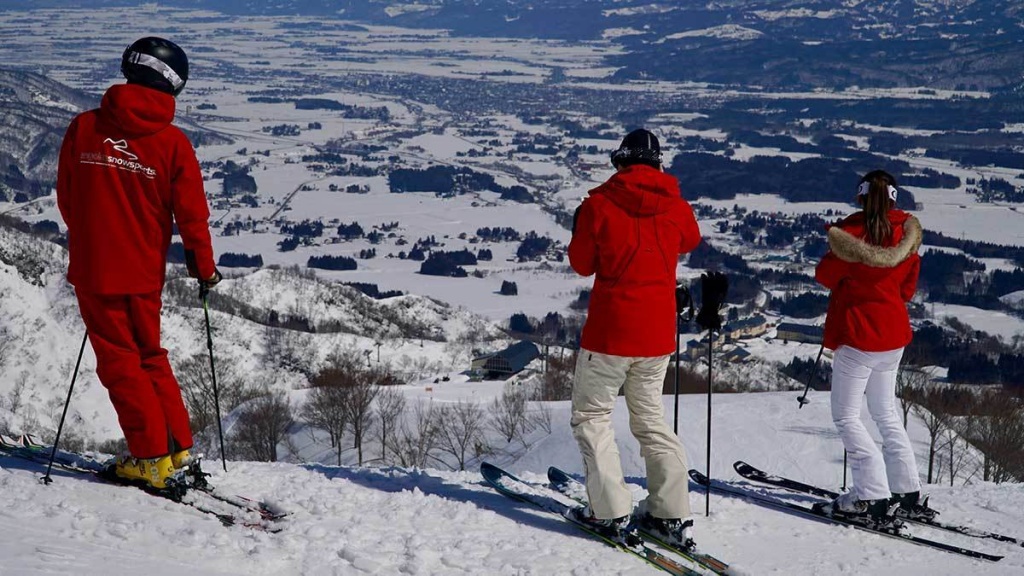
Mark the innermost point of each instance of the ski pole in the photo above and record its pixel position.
(60, 427)
(679, 337)
(844, 469)
(203, 291)
(707, 493)
(814, 371)
(683, 300)
(714, 288)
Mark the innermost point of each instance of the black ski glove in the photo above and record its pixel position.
(714, 287)
(213, 280)
(576, 218)
(684, 302)
(205, 285)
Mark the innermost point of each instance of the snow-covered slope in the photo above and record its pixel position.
(351, 520)
(329, 306)
(41, 334)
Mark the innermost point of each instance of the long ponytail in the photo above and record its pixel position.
(877, 201)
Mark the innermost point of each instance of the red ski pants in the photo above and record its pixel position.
(124, 331)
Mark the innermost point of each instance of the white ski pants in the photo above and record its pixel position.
(876, 473)
(595, 387)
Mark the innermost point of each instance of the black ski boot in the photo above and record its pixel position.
(880, 516)
(676, 532)
(618, 529)
(912, 507)
(874, 514)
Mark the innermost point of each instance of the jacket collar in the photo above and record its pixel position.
(850, 248)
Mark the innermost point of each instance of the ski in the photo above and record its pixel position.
(28, 449)
(512, 487)
(183, 490)
(573, 488)
(807, 511)
(266, 510)
(178, 492)
(41, 455)
(186, 491)
(755, 475)
(197, 481)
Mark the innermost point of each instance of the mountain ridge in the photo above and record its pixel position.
(34, 113)
(937, 44)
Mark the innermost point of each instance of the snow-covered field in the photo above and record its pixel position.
(351, 520)
(996, 323)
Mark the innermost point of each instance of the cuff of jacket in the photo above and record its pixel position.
(200, 263)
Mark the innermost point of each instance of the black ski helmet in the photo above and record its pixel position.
(156, 63)
(638, 147)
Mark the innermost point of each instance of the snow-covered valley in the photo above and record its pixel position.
(321, 114)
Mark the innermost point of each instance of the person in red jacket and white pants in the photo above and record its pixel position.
(629, 234)
(872, 268)
(124, 178)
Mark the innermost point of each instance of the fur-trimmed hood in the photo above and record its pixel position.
(850, 248)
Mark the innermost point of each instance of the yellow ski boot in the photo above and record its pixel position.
(152, 471)
(181, 459)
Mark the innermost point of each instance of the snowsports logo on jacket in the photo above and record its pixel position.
(121, 146)
(125, 160)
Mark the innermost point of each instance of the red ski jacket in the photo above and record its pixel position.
(870, 284)
(630, 232)
(125, 176)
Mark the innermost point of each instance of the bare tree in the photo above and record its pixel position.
(419, 366)
(997, 431)
(460, 354)
(909, 381)
(928, 405)
(288, 348)
(557, 380)
(197, 389)
(508, 413)
(325, 409)
(956, 451)
(261, 426)
(273, 341)
(16, 396)
(193, 375)
(540, 417)
(7, 340)
(328, 402)
(359, 396)
(460, 428)
(413, 442)
(390, 407)
(346, 395)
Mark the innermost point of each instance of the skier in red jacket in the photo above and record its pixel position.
(872, 268)
(629, 233)
(125, 177)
